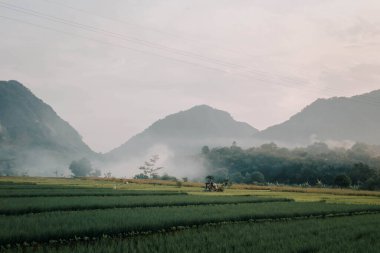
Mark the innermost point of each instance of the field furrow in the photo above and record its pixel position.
(95, 223)
(355, 234)
(76, 192)
(18, 206)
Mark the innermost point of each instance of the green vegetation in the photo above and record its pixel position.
(14, 193)
(356, 234)
(83, 168)
(15, 206)
(316, 165)
(153, 216)
(94, 223)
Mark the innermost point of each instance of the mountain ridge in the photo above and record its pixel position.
(332, 119)
(30, 128)
(198, 122)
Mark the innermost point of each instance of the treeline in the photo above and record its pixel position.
(315, 165)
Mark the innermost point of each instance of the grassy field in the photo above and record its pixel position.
(17, 206)
(355, 234)
(113, 215)
(327, 195)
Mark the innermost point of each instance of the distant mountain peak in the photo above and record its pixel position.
(335, 119)
(201, 124)
(202, 107)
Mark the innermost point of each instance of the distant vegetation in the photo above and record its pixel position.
(315, 165)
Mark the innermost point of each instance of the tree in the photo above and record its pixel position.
(167, 177)
(342, 181)
(81, 168)
(141, 176)
(108, 174)
(372, 183)
(96, 173)
(237, 177)
(149, 168)
(360, 173)
(257, 176)
(205, 150)
(209, 179)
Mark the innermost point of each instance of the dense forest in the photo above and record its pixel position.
(315, 165)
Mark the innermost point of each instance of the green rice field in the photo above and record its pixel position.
(76, 216)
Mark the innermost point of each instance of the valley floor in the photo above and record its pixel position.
(109, 215)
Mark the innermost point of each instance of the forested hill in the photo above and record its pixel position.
(33, 135)
(355, 119)
(316, 165)
(187, 131)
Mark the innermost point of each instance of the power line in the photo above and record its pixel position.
(106, 42)
(120, 36)
(129, 23)
(96, 30)
(265, 76)
(163, 32)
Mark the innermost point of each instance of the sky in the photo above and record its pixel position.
(112, 68)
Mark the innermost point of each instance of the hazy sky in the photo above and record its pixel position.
(111, 68)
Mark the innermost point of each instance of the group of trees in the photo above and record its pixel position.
(313, 165)
(83, 168)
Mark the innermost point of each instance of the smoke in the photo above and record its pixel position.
(345, 144)
(331, 143)
(178, 162)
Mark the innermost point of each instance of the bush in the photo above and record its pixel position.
(342, 181)
(372, 183)
(81, 168)
(258, 177)
(141, 176)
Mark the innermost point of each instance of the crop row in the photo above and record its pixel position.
(37, 187)
(95, 223)
(17, 206)
(18, 193)
(343, 234)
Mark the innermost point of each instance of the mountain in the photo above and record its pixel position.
(338, 119)
(183, 134)
(32, 135)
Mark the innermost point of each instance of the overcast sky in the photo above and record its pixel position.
(111, 68)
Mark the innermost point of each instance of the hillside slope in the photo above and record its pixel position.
(355, 119)
(33, 135)
(185, 133)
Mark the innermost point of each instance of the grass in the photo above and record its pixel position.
(297, 193)
(67, 192)
(94, 223)
(356, 234)
(17, 206)
(306, 197)
(118, 215)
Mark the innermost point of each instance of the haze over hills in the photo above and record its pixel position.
(35, 139)
(188, 129)
(33, 136)
(334, 120)
(180, 135)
